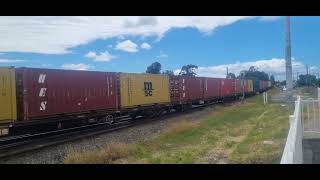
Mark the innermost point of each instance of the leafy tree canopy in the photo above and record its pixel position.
(154, 68)
(188, 70)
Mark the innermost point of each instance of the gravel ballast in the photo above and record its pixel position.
(56, 154)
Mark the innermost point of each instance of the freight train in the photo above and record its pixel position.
(36, 100)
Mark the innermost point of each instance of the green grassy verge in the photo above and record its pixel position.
(247, 132)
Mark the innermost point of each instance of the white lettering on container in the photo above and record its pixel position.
(42, 78)
(43, 105)
(42, 92)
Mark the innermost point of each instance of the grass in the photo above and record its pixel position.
(233, 134)
(107, 155)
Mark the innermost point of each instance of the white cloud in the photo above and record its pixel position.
(269, 18)
(11, 60)
(57, 34)
(314, 68)
(101, 57)
(127, 46)
(162, 55)
(46, 65)
(80, 66)
(273, 66)
(145, 46)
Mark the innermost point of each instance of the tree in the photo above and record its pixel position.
(231, 76)
(168, 72)
(307, 80)
(154, 68)
(188, 70)
(254, 74)
(272, 79)
(253, 69)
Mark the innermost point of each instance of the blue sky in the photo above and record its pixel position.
(130, 44)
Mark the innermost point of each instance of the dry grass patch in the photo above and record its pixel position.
(107, 155)
(178, 127)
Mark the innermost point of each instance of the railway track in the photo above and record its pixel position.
(31, 142)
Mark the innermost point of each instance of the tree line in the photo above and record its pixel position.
(189, 70)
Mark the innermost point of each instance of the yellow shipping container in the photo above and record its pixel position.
(143, 89)
(250, 85)
(8, 109)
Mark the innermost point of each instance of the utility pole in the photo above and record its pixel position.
(288, 59)
(307, 78)
(227, 71)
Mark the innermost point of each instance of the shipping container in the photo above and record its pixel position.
(227, 87)
(186, 89)
(8, 112)
(249, 86)
(261, 88)
(238, 86)
(256, 85)
(143, 89)
(263, 85)
(44, 93)
(211, 88)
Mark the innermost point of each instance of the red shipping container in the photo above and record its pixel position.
(48, 92)
(186, 89)
(246, 85)
(263, 85)
(227, 87)
(238, 86)
(211, 88)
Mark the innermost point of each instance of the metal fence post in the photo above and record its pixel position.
(267, 97)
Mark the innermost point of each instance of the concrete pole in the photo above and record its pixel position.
(288, 54)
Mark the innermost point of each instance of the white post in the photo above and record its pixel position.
(319, 94)
(266, 97)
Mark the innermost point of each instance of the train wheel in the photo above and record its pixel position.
(109, 119)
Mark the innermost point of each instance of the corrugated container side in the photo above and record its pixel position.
(8, 112)
(256, 85)
(261, 86)
(211, 88)
(238, 86)
(186, 89)
(250, 85)
(227, 87)
(48, 92)
(245, 86)
(143, 89)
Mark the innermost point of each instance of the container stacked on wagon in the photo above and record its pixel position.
(41, 99)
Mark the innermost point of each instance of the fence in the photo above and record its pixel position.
(292, 153)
